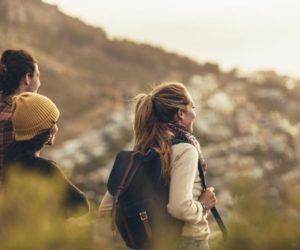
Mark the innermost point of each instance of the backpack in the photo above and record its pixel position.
(140, 202)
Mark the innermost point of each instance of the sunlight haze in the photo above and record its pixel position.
(250, 35)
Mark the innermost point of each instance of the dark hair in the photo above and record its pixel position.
(14, 65)
(17, 149)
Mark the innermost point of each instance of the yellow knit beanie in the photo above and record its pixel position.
(32, 113)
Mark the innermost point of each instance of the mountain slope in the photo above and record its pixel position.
(248, 125)
(81, 68)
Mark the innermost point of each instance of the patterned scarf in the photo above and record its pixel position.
(181, 133)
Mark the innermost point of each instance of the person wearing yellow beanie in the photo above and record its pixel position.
(34, 118)
(32, 114)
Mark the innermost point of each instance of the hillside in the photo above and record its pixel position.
(247, 124)
(83, 71)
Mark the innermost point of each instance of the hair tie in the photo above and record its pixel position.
(151, 96)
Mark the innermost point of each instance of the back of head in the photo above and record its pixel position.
(32, 115)
(152, 112)
(14, 65)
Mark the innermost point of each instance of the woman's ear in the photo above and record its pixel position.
(180, 114)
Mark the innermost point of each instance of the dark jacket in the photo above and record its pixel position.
(73, 198)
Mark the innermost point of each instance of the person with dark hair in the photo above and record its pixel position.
(19, 72)
(161, 116)
(34, 119)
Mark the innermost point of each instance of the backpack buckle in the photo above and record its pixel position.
(143, 215)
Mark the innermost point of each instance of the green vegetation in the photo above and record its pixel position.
(258, 223)
(30, 219)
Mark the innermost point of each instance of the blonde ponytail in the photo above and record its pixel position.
(152, 112)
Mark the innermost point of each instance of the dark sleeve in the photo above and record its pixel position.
(75, 201)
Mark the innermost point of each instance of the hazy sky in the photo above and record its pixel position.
(249, 34)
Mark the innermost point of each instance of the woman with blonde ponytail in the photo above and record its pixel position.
(165, 115)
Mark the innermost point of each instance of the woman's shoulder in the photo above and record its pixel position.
(44, 165)
(183, 147)
(31, 163)
(184, 151)
(184, 158)
(44, 161)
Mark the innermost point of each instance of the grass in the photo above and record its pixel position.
(31, 219)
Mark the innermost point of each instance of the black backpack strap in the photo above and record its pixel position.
(214, 210)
